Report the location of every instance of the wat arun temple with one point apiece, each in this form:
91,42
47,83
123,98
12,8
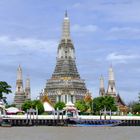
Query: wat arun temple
65,83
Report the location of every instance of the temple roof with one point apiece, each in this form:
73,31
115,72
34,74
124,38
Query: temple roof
119,100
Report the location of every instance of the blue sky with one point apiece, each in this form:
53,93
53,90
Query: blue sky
104,32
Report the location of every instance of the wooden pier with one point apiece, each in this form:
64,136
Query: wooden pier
48,120
41,122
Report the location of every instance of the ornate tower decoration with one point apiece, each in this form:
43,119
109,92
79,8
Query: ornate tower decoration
111,91
27,89
102,89
65,84
19,95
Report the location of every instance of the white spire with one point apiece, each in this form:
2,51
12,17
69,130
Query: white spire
19,82
101,82
111,83
27,83
102,90
27,89
19,73
19,94
111,74
66,27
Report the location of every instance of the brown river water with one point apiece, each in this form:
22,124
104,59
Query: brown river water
70,133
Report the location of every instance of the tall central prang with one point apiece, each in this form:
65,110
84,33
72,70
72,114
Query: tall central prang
65,84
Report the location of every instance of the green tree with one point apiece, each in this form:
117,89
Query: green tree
109,103
59,105
81,105
97,104
100,103
35,104
4,88
27,105
38,104
136,107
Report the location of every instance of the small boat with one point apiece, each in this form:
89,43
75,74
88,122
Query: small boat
92,125
83,122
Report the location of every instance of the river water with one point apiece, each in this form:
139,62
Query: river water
70,133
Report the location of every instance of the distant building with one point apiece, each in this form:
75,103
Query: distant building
27,89
111,91
102,89
21,95
65,84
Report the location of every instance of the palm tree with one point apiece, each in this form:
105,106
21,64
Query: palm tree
4,88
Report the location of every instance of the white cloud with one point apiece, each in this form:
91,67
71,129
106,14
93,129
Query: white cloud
121,58
11,45
125,12
87,28
116,11
128,33
125,29
77,5
118,2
